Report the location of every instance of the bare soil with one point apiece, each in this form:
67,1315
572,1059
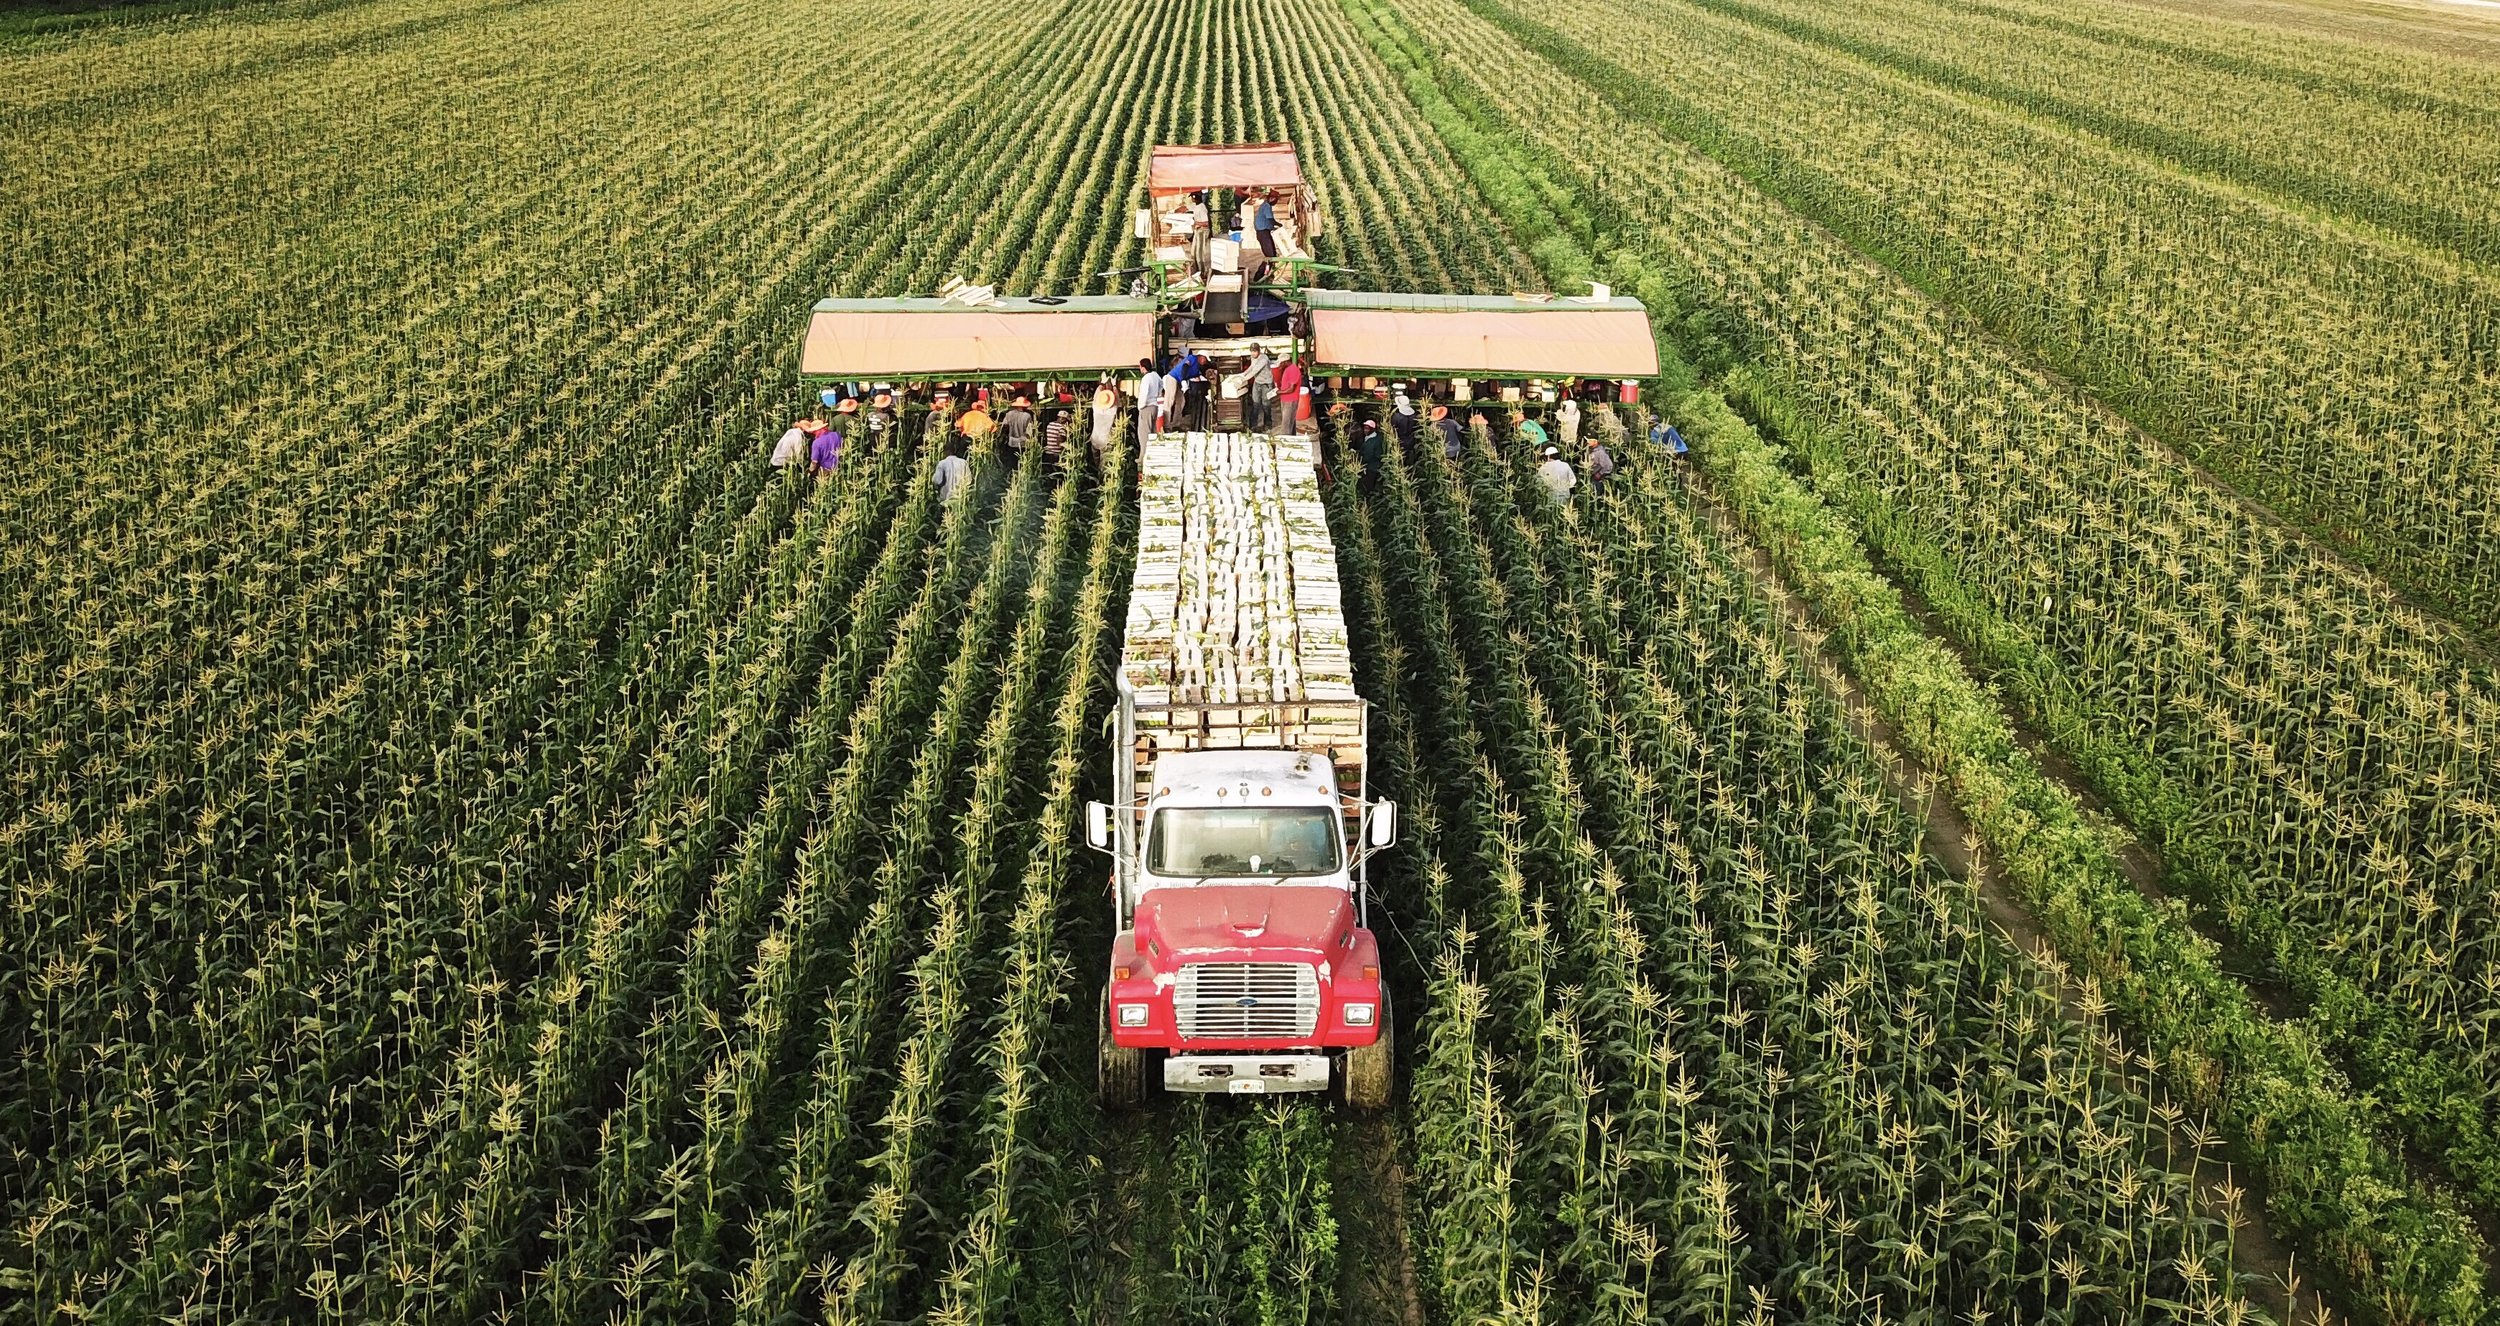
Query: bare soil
1375,1260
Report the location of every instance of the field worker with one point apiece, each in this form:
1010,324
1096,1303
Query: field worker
1106,409
1371,446
880,418
1404,421
1191,372
1263,223
1055,435
1601,462
1149,394
953,472
976,423
1258,413
1293,387
827,451
1529,430
1663,436
1015,428
1201,225
1453,433
792,448
1557,475
1567,415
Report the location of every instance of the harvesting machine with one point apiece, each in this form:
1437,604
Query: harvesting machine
1241,826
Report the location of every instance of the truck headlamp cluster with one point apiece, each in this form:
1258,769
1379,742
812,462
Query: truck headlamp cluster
1134,1015
1358,1015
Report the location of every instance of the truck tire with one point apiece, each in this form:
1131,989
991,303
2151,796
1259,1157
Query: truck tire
1120,1070
1368,1074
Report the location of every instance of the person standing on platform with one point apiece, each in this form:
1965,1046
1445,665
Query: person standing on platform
1258,408
1015,428
1149,394
1106,410
1293,390
1201,228
1190,372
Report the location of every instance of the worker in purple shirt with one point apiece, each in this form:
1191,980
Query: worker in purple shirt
827,452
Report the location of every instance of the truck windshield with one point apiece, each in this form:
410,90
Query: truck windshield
1283,840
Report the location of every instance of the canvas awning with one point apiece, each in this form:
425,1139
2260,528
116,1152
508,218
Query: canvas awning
1227,166
1481,335
876,338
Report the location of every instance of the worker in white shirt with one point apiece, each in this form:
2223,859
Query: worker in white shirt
953,472
1557,475
792,448
1149,397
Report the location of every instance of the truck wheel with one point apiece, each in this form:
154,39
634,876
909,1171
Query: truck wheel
1120,1070
1368,1073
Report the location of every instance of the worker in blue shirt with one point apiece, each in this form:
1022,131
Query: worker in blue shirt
1263,221
1190,372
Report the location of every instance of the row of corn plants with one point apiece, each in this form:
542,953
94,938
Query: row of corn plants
548,1114
596,649
1612,1116
2418,166
2290,1117
806,950
2285,48
1092,1230
2319,787
2342,377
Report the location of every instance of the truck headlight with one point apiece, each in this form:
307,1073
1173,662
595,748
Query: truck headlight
1358,1015
1132,1015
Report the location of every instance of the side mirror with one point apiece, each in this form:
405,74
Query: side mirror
1098,825
1384,823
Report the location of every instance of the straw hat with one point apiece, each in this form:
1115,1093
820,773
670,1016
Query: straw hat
1023,401
883,399
848,406
1440,412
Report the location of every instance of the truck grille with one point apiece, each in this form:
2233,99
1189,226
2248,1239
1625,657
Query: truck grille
1239,1000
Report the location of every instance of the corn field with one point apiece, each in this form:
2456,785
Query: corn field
481,844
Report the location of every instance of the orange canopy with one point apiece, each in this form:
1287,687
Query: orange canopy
871,338
1558,339
1228,166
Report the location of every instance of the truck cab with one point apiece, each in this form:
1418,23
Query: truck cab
1242,963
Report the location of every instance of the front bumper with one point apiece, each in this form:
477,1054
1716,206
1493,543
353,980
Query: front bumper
1245,1074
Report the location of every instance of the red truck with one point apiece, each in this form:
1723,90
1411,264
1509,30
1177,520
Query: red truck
1242,961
